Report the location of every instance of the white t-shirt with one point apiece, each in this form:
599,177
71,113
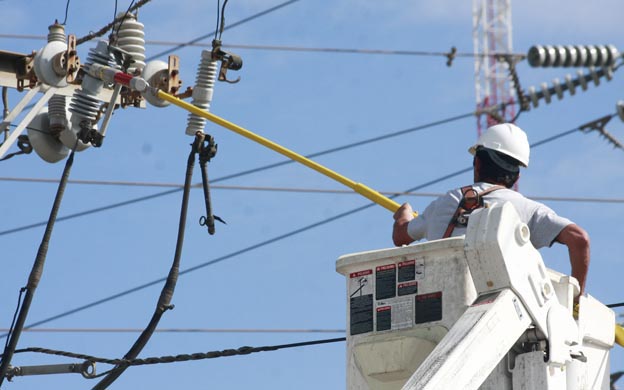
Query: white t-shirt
544,224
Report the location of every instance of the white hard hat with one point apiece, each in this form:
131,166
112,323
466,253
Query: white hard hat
505,138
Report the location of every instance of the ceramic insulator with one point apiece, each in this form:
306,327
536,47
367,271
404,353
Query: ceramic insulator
202,92
131,38
57,113
84,103
56,33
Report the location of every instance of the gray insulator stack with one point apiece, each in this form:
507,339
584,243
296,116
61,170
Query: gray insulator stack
56,33
57,107
57,113
202,92
131,38
84,104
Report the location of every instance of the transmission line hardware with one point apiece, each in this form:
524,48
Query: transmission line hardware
572,55
96,88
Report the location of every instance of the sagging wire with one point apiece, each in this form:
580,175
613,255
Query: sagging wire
36,271
166,294
246,350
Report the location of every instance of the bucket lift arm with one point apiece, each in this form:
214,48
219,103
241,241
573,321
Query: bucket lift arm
515,293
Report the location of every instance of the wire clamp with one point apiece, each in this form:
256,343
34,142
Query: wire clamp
228,61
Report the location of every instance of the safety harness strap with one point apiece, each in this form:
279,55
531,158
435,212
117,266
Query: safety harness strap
471,200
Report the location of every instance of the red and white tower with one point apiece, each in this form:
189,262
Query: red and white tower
491,33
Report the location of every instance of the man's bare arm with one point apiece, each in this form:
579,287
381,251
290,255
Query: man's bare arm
577,241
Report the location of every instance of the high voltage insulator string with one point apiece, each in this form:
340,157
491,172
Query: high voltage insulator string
183,357
569,84
249,171
229,26
274,239
572,56
294,189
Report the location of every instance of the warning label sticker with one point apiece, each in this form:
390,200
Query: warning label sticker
384,318
396,313
428,307
408,288
361,301
361,314
407,270
360,283
385,281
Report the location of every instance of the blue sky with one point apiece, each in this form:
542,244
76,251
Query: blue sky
308,102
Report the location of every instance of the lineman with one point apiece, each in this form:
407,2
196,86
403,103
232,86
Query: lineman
498,155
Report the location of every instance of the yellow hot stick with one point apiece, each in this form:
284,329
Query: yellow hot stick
619,335
360,188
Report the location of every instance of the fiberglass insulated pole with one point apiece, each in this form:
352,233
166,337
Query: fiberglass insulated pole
360,188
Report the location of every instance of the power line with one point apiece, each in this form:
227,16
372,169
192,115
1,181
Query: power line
176,330
229,26
262,244
183,357
296,189
304,49
247,172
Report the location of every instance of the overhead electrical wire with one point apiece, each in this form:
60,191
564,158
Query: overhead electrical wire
182,357
36,271
212,34
66,12
164,300
271,240
302,49
177,330
249,171
295,189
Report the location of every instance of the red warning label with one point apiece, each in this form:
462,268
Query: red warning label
385,267
360,273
